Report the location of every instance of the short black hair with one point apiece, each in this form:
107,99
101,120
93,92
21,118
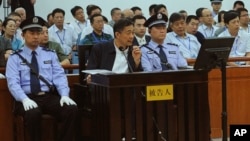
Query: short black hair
135,8
5,22
176,17
113,10
121,24
74,9
93,16
58,10
158,7
190,17
239,10
91,8
239,2
105,19
229,15
138,17
182,11
199,12
50,14
152,7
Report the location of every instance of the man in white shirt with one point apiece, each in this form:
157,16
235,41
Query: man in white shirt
207,28
244,19
62,33
79,23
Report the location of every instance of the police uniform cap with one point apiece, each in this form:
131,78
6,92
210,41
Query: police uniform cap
35,22
216,1
156,19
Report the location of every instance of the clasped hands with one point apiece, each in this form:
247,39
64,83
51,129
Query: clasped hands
29,104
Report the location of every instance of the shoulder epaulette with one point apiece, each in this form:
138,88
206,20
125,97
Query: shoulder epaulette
16,51
144,45
173,44
48,49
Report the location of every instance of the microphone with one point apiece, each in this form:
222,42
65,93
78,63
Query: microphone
122,49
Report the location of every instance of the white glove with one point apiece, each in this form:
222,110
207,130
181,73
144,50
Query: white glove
29,104
67,100
2,76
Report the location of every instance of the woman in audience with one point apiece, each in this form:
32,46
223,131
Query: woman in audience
220,23
9,30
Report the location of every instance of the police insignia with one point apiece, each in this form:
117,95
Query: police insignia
172,52
159,16
35,20
47,62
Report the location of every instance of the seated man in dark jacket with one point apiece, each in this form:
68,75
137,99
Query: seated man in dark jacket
113,55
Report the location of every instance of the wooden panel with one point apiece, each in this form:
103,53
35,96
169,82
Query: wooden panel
186,118
6,118
238,80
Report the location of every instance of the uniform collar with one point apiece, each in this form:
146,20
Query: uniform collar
28,51
154,45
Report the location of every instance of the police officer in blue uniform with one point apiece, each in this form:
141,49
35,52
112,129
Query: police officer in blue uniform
33,95
158,55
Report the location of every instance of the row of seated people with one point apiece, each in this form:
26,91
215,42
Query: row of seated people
68,36
187,43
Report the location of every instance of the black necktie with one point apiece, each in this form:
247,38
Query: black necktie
163,58
34,80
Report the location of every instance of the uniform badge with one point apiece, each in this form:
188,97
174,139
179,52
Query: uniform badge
159,16
22,63
150,52
47,62
172,52
35,20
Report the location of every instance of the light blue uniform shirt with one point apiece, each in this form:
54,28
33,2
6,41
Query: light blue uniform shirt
66,37
18,73
189,46
151,62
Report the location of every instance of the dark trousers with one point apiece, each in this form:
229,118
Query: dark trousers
29,8
49,104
